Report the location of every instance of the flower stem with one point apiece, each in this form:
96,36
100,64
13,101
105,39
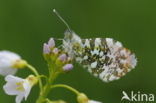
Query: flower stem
36,73
47,88
67,87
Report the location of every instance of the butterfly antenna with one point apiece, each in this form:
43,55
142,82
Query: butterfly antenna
59,16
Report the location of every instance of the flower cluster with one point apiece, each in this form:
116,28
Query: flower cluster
56,56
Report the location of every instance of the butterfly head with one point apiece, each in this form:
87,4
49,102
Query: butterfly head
71,42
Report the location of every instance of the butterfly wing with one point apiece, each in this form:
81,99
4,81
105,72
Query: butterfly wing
105,58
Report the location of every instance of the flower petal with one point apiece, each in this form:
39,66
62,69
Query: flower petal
10,89
19,98
27,88
11,78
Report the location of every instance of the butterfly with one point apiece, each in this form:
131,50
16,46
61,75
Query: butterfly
104,58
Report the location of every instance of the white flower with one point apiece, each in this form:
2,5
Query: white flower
9,62
19,87
92,101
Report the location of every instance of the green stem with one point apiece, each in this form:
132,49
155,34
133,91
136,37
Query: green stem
47,88
67,87
36,73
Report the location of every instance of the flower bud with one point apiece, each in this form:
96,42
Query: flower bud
51,43
68,67
82,98
32,80
63,57
46,49
55,50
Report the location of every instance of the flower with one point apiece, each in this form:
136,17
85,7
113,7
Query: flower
10,62
18,86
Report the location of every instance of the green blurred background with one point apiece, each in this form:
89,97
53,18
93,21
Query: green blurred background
26,24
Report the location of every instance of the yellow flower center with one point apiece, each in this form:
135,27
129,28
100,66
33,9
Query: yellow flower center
20,86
